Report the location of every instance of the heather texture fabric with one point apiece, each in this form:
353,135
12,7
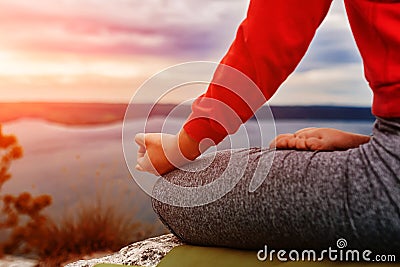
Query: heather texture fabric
307,200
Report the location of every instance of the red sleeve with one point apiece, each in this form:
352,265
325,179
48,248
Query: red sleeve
268,46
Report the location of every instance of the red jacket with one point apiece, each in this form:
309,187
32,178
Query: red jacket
270,43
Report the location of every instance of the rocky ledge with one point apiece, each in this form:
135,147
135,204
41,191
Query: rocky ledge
13,261
148,252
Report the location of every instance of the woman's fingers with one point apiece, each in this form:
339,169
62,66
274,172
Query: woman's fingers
153,148
144,164
140,141
139,168
291,141
301,144
143,161
314,143
281,141
295,141
314,139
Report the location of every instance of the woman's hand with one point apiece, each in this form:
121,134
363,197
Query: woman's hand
161,153
327,139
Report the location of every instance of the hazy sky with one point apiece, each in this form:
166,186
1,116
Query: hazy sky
95,50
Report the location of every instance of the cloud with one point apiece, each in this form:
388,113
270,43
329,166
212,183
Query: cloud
331,73
127,27
337,85
333,43
60,49
188,29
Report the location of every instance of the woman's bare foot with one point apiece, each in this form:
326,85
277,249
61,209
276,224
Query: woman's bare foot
327,139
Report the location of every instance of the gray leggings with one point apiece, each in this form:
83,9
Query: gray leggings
307,201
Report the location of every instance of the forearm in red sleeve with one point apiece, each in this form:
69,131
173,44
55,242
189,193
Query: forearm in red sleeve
268,46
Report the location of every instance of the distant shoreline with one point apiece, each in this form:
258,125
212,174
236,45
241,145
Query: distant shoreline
106,113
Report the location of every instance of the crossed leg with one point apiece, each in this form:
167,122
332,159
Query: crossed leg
307,200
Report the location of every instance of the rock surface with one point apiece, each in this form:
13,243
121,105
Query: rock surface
12,261
148,252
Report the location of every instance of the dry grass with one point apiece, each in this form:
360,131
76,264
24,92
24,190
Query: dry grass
91,227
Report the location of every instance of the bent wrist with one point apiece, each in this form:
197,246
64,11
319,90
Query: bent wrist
361,139
188,146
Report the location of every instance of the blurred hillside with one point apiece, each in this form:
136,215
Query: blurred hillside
104,113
